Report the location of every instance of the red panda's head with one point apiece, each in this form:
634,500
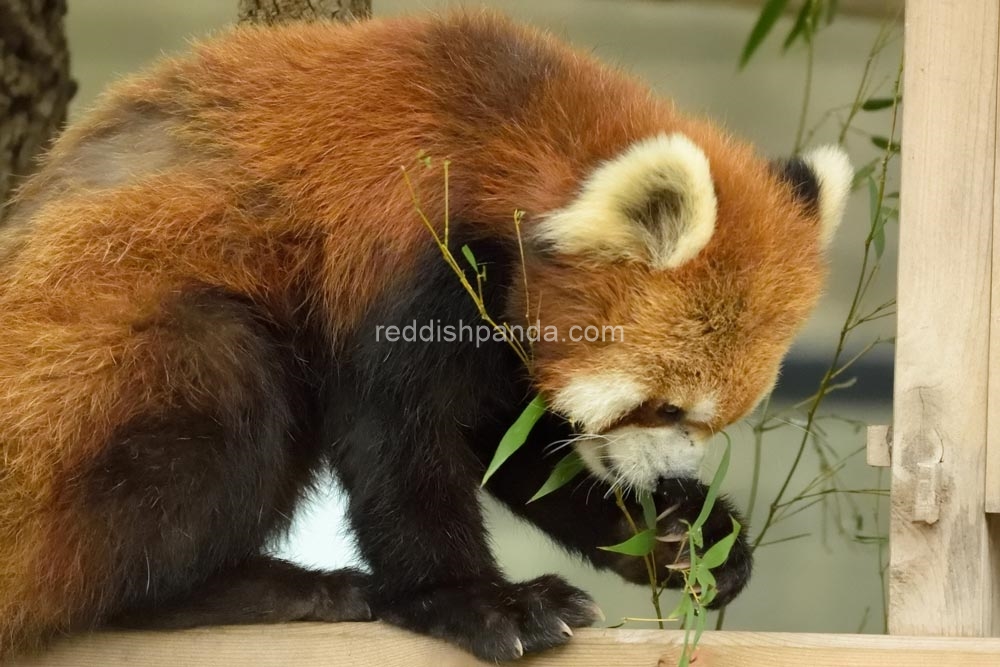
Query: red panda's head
689,267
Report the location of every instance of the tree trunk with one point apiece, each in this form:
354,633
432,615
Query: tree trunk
278,11
35,85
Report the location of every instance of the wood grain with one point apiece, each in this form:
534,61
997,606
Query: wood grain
942,567
364,644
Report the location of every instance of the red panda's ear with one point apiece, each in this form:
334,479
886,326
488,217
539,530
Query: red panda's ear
834,174
654,203
821,179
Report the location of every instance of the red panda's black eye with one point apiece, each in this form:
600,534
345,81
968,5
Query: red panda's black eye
670,414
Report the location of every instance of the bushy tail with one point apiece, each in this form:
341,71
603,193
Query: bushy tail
18,635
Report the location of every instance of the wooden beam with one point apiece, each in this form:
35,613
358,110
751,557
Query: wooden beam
993,411
942,574
878,448
361,644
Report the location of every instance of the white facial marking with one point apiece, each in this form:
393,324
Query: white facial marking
640,456
834,174
703,411
602,220
594,402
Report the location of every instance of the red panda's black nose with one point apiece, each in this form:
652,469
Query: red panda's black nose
670,414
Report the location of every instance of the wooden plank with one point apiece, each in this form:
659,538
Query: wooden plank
362,644
878,449
993,410
942,561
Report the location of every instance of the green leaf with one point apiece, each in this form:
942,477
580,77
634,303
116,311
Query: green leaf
872,200
798,26
648,509
862,174
682,609
709,588
765,22
831,11
713,488
878,239
877,219
699,629
878,103
719,552
640,544
565,470
516,435
470,258
706,580
885,144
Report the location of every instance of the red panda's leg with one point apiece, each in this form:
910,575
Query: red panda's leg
217,447
416,515
261,589
189,501
399,420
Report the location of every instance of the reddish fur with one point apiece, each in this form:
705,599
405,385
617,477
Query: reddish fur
281,177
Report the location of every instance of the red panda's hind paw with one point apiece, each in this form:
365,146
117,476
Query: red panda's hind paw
260,590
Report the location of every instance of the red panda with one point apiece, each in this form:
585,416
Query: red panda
192,289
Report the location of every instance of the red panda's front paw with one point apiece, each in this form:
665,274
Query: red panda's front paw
679,502
497,621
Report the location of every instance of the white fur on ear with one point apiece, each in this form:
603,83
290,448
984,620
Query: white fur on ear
834,174
654,203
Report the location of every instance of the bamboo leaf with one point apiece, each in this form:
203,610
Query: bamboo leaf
878,239
831,11
648,509
516,435
699,628
706,580
565,470
640,544
885,144
877,219
862,174
713,488
765,22
797,27
682,608
872,200
878,103
470,258
719,552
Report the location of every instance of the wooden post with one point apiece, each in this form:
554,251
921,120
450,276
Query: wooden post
942,567
993,409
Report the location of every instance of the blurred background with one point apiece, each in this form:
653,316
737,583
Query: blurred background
822,572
